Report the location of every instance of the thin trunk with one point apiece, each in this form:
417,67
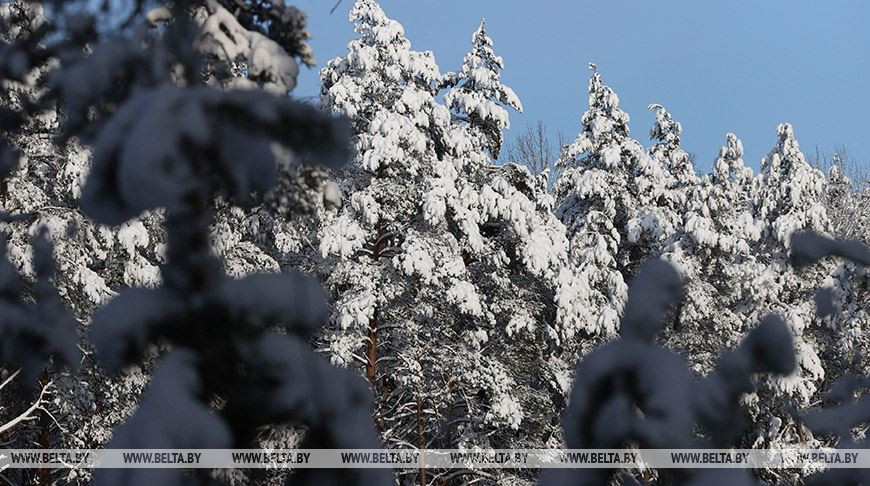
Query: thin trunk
372,354
371,369
421,438
43,439
448,440
372,351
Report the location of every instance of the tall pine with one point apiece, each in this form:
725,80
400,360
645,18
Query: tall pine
442,264
611,196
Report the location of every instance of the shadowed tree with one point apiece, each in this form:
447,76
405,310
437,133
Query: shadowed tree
632,392
235,355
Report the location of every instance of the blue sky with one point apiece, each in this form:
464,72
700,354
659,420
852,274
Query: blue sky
741,66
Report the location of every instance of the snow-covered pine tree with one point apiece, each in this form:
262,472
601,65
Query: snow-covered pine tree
792,193
442,264
849,319
789,198
477,94
839,417
38,335
633,392
96,260
611,196
712,249
244,50
37,330
838,192
252,45
249,43
47,183
680,177
847,201
515,252
849,284
381,321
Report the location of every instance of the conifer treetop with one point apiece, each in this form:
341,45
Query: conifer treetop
668,151
380,73
793,191
477,95
605,131
604,121
665,129
729,164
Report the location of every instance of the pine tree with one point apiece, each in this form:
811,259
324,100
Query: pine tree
631,391
39,337
712,249
387,90
849,284
845,404
477,94
93,261
515,253
680,177
252,45
610,196
443,264
847,202
46,182
792,192
96,261
790,198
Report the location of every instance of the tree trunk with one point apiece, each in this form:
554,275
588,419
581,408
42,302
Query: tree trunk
372,351
43,439
421,438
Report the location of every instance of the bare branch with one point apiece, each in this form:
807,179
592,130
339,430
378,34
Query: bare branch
10,378
27,414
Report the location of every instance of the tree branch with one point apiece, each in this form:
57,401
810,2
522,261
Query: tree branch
27,414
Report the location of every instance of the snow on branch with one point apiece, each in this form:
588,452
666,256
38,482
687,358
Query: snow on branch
633,392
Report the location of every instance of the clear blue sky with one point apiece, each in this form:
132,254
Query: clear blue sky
718,66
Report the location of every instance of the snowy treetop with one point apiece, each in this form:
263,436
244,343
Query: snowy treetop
477,93
729,164
793,190
604,117
666,131
379,71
